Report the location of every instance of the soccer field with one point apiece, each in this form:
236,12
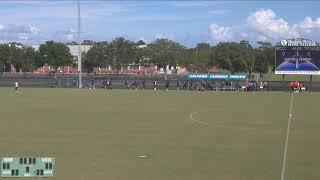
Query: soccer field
146,135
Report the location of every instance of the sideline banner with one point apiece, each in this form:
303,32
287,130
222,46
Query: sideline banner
218,76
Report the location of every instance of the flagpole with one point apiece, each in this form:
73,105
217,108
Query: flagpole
79,48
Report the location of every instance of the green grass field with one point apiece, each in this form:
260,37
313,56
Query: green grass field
100,134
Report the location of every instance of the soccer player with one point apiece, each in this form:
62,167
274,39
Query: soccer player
155,85
74,83
56,81
265,86
126,84
167,85
143,84
110,84
178,85
16,86
92,84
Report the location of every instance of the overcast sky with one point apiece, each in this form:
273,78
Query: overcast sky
187,22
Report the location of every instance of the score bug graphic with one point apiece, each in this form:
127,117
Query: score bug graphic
27,166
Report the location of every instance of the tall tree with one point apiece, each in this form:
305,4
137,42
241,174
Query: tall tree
165,52
143,56
4,57
55,54
222,56
27,59
95,57
267,51
122,52
200,58
261,65
235,57
248,55
15,54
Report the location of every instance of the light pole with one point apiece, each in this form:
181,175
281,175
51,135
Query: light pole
79,48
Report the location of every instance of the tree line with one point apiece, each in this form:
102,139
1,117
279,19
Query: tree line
230,57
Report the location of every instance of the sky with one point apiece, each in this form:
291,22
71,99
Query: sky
187,22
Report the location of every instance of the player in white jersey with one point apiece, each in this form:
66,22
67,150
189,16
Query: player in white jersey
155,85
16,86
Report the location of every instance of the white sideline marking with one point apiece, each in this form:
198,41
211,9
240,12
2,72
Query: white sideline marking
197,121
286,143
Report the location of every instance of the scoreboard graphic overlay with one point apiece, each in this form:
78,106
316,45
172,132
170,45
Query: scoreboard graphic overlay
297,56
27,167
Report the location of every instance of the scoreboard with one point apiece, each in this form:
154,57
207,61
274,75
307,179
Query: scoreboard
27,166
297,56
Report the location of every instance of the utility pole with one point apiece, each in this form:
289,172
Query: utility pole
79,48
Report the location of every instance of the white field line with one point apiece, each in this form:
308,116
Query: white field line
197,121
286,143
218,125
